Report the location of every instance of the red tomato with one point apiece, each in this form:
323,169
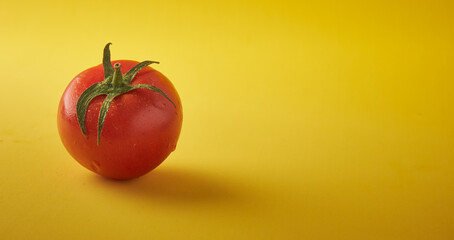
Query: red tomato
140,129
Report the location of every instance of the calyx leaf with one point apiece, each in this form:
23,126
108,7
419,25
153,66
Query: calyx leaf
114,85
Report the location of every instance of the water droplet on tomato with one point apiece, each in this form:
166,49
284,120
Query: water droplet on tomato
172,146
96,166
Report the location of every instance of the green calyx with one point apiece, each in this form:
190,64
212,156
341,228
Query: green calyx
114,85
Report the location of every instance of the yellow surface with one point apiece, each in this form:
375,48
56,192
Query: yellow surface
302,120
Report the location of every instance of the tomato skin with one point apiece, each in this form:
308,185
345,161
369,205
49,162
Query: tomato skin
140,130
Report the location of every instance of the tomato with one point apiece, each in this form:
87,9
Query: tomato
116,128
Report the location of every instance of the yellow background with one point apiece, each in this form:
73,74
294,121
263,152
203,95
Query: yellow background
302,120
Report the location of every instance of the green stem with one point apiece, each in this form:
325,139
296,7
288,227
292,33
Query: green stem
117,76
114,84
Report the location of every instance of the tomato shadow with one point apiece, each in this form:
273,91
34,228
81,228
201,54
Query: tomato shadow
175,185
